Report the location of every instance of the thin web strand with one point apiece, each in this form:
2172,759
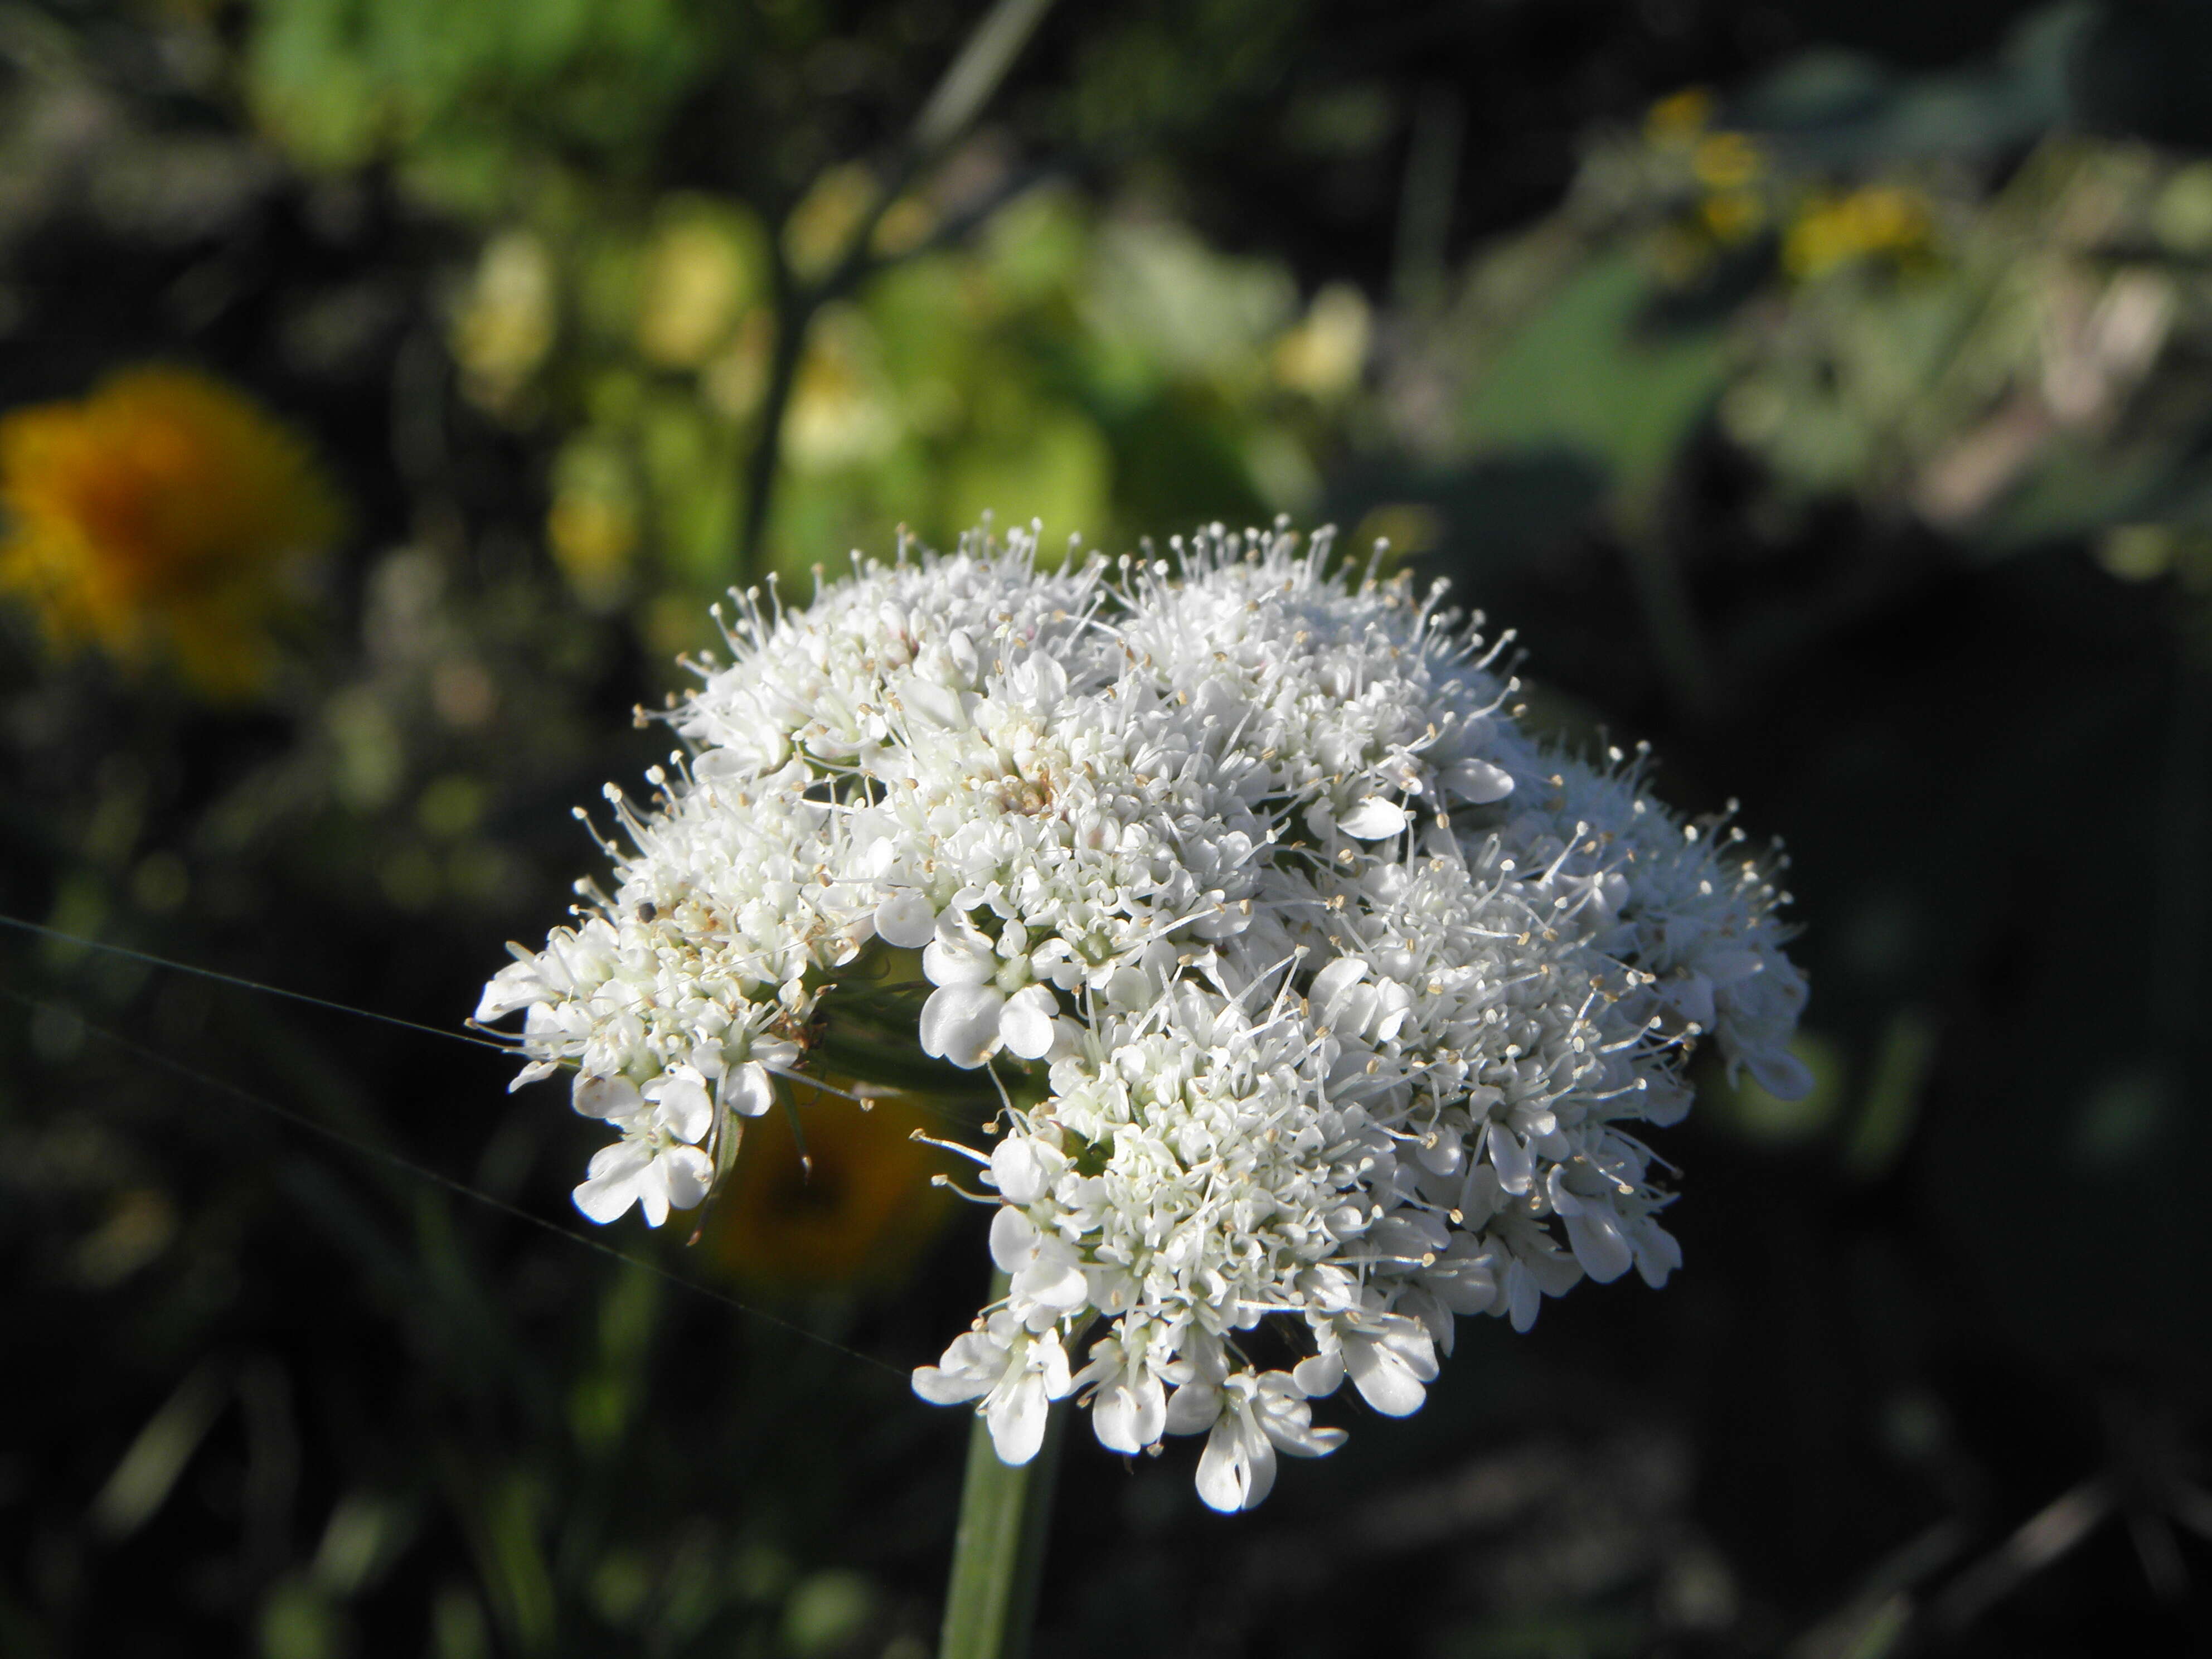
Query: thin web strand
918,1102
424,1172
152,960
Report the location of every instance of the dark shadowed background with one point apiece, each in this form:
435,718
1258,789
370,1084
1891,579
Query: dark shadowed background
386,387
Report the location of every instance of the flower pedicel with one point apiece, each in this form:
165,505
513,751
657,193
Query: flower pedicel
1328,998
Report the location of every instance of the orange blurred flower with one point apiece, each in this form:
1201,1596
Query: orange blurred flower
159,517
863,1216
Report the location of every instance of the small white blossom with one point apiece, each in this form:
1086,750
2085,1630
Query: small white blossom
1342,1001
655,1165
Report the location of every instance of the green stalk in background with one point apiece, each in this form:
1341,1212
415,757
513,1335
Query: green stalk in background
998,1549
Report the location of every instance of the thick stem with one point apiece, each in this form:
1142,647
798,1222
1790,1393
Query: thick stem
998,1550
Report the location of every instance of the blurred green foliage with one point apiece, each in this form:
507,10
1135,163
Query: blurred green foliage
1099,372
992,341
1931,297
463,94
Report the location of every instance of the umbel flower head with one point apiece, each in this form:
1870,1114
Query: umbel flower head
156,518
1328,1007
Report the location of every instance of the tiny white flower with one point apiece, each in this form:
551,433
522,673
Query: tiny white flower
748,1089
1129,1407
653,1166
960,1023
1047,1273
1016,1373
1391,1362
906,919
1374,819
1027,1024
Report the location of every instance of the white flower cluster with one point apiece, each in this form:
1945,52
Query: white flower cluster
1329,1000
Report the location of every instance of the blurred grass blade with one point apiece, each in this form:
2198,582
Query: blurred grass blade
975,74
1886,1121
148,1473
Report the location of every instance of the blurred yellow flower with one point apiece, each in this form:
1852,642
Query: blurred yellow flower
1324,354
594,522
1732,215
505,323
159,517
1727,161
863,1213
841,412
1678,119
1835,230
704,266
820,228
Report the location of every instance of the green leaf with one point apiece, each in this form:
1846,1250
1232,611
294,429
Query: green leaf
1590,371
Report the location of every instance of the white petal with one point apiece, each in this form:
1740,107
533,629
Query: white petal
1320,1374
1058,1383
682,1105
604,1097
1298,1437
1441,1153
1026,1024
1593,1232
515,986
1043,680
1284,1417
1113,1421
775,1051
1259,1460
958,954
1333,980
722,765
1388,1371
1019,1171
971,1367
935,703
690,1174
942,1387
1017,1418
1193,1408
625,1157
1478,781
1563,1203
604,1198
1692,996
1014,1239
1516,1167
1523,1296
962,650
1780,1072
653,1193
749,1090
1223,1477
1129,1418
1237,1467
960,1023
1374,819
1658,1253
1466,1284
1725,964
1054,1277
906,919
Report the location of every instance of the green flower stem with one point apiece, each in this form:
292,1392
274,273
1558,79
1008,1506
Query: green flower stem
998,1551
